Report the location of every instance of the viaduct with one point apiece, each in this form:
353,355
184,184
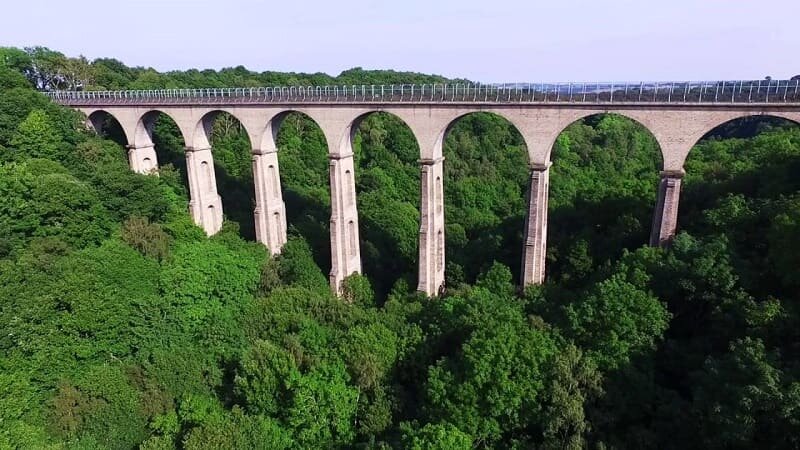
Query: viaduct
677,114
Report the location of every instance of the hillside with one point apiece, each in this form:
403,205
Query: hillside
123,326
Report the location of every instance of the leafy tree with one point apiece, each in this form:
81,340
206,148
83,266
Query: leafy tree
149,239
615,321
36,137
437,437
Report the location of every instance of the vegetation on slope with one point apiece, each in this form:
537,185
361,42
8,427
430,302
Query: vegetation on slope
123,326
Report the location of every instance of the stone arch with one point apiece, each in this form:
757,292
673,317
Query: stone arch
148,148
579,115
475,244
694,185
143,133
717,174
438,144
201,134
105,123
269,135
374,134
718,120
620,203
301,211
349,135
222,129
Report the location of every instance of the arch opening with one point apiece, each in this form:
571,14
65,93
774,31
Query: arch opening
386,156
108,127
158,129
304,174
741,176
230,144
485,184
605,168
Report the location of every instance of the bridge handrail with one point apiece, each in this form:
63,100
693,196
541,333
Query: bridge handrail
747,91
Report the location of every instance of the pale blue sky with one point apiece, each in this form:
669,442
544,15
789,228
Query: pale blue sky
489,41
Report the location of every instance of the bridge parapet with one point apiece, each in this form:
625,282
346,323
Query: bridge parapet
641,93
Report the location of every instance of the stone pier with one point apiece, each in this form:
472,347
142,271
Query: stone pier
431,227
535,239
345,246
205,204
143,159
665,217
270,210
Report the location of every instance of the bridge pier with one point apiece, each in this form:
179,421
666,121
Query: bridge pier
345,245
535,241
270,210
665,216
431,227
205,204
143,159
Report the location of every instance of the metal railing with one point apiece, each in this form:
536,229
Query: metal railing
714,92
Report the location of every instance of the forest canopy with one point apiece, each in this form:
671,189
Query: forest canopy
122,325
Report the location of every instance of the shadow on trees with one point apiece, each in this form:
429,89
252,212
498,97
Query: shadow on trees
380,260
578,247
310,218
744,206
485,245
238,201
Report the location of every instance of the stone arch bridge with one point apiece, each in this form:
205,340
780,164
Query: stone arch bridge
677,114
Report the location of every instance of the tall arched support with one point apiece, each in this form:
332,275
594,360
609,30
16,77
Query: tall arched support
665,217
431,227
535,240
345,247
143,159
205,204
270,211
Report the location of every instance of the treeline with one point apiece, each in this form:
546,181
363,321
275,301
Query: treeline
51,70
123,326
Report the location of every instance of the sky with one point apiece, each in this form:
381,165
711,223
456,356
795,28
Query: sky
486,41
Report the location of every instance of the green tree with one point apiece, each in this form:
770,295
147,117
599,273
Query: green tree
36,137
615,321
437,437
